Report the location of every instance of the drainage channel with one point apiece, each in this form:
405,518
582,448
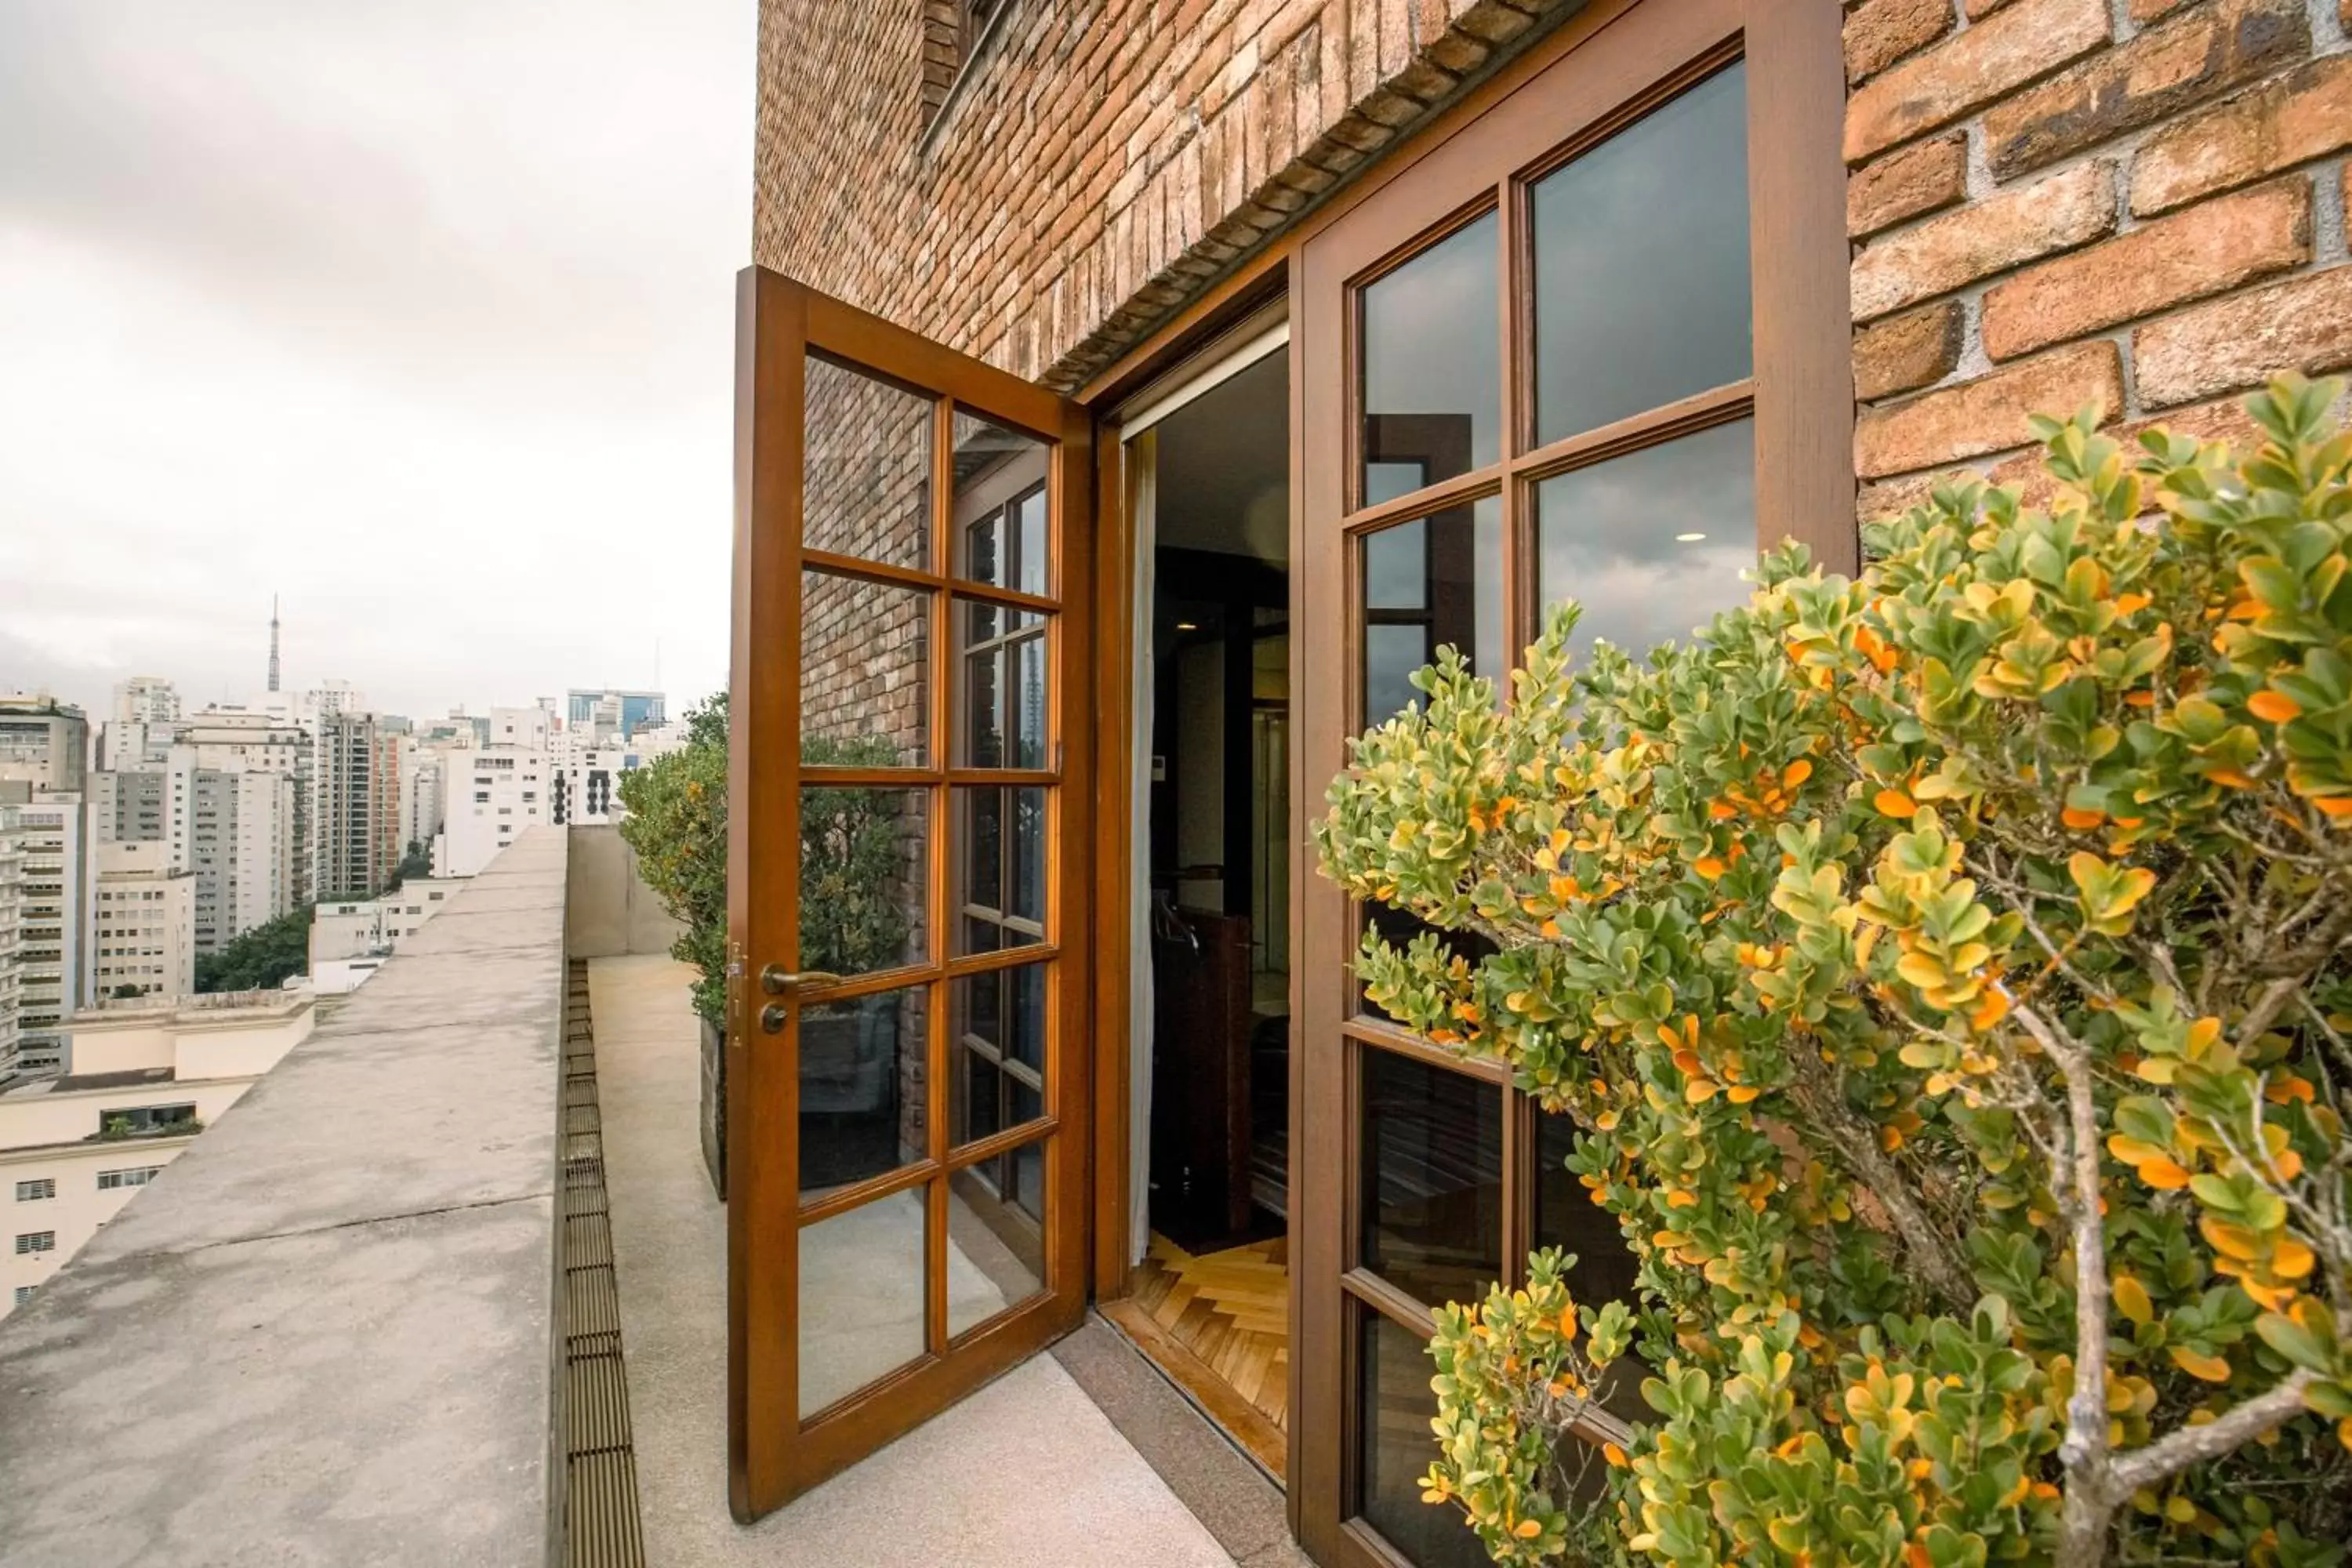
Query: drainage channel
602,1525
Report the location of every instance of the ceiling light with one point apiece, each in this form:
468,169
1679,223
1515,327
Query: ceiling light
1188,625
1689,538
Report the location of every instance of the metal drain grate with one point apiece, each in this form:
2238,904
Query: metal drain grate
602,1525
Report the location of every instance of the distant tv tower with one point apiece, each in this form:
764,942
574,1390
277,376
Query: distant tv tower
273,642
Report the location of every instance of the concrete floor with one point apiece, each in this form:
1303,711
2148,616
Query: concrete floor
1026,1473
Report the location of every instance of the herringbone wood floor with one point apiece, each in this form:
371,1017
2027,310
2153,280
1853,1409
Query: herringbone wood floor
1232,1309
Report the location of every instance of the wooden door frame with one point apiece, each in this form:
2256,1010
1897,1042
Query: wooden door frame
779,324
1803,412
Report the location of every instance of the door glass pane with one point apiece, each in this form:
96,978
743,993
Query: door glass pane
1433,382
1428,583
1652,543
862,1074
1641,263
861,1307
1000,505
1392,1391
1001,867
996,1248
1431,1174
865,688
866,474
863,857
1002,651
997,1024
1567,1218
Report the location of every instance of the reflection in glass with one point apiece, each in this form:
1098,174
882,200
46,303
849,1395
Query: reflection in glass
866,476
1003,695
863,855
861,1077
1000,505
996,1248
1652,543
1567,1218
997,1024
865,672
1433,581
1001,866
861,1298
1393,1370
1431,1174
1432,391
1641,263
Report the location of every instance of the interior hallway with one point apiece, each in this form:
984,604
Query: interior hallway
1027,1473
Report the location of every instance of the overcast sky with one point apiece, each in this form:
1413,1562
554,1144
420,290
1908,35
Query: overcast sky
415,314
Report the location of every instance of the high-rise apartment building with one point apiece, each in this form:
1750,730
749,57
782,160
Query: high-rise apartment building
355,807
145,723
12,863
143,923
262,739
50,873
489,795
421,768
622,713
42,743
235,829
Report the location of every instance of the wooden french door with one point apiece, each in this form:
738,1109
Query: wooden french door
907,930
1589,341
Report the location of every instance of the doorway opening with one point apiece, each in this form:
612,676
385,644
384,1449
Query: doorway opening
1210,1062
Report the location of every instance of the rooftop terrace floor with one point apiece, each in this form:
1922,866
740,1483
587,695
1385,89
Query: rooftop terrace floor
1030,1472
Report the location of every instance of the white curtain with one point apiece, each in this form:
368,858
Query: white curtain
1142,459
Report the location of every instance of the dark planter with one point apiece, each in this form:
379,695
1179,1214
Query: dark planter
714,1105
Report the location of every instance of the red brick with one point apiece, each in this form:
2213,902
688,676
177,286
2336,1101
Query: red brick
2025,471
1880,32
1957,247
1922,178
2222,244
2288,120
2158,74
1970,70
2243,340
1987,415
1908,350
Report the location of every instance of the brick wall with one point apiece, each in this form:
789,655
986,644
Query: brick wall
2138,204
1102,160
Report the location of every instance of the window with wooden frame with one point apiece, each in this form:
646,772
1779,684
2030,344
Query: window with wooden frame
1588,341
954,31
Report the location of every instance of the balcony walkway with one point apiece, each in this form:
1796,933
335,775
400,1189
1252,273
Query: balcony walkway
1027,1473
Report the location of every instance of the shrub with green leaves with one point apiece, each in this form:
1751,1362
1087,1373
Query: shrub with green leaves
1946,974
676,823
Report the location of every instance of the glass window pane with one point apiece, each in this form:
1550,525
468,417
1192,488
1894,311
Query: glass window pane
996,1252
1431,1174
997,1034
1004,696
863,853
1393,1370
1433,381
1641,263
1652,543
1567,1218
1000,505
1001,867
1431,583
861,1307
866,473
861,1074
866,686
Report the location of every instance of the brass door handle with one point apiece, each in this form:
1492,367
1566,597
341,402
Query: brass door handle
776,980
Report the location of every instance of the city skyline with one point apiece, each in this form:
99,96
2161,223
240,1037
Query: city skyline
340,306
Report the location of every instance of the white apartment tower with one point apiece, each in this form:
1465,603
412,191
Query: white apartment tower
49,887
42,743
142,939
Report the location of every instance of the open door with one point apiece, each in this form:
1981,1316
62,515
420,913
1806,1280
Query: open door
907,924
